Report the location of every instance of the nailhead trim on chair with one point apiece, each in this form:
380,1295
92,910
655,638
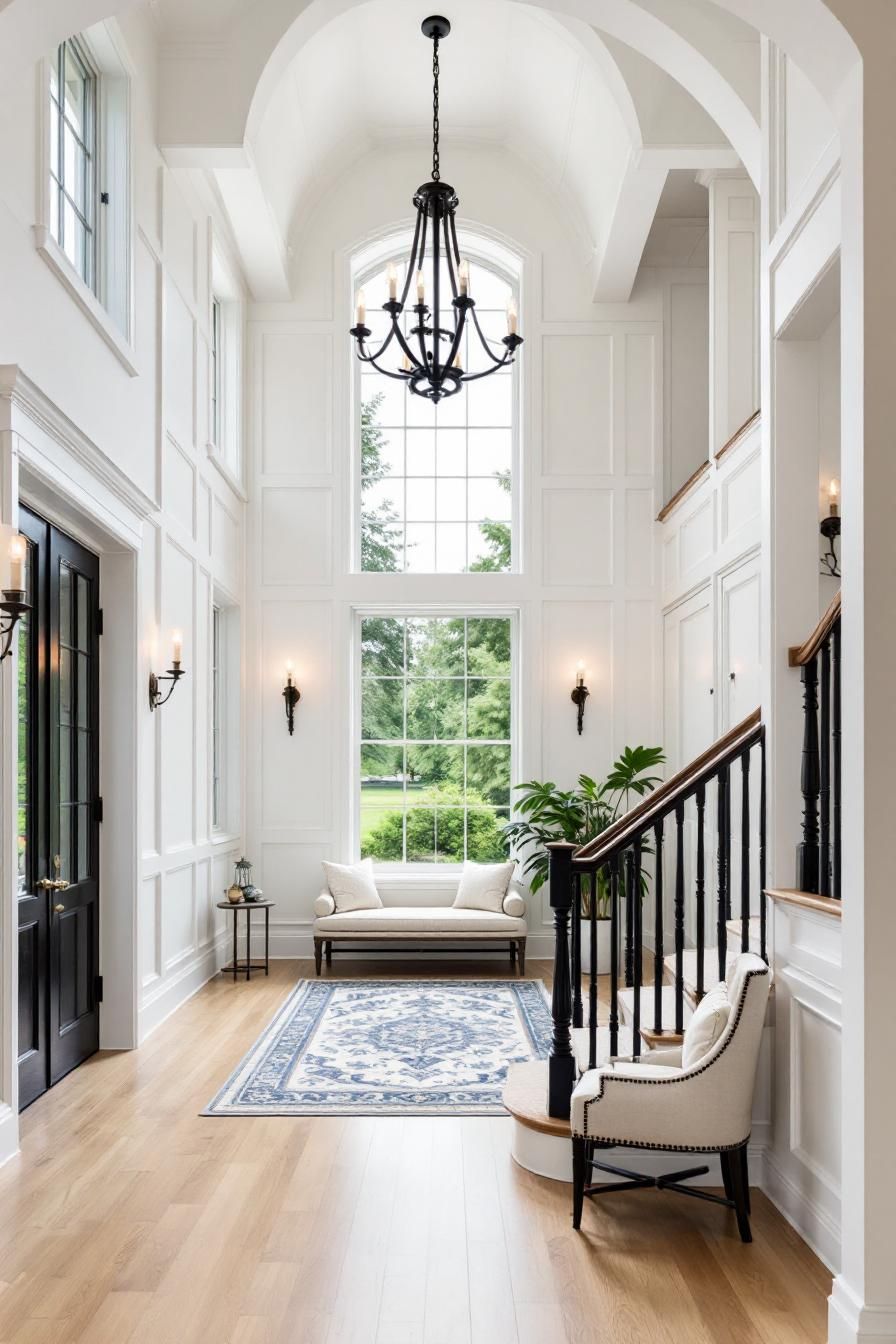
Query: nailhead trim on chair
659,1082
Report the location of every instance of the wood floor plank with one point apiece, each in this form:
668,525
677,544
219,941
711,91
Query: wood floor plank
130,1218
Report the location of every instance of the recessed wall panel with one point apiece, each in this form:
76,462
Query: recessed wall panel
178,915
292,876
178,486
572,631
297,771
177,715
640,403
578,537
297,535
178,349
296,402
578,405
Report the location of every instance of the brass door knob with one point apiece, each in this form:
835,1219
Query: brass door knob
52,884
58,909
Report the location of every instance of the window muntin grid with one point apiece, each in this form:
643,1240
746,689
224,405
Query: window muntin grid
447,468
436,738
73,157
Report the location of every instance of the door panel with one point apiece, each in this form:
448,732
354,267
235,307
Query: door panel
59,823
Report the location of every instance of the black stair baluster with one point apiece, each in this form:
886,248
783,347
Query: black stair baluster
762,871
679,918
629,924
824,775
807,852
700,891
576,950
614,956
594,878
634,896
723,869
836,717
561,1063
745,852
658,936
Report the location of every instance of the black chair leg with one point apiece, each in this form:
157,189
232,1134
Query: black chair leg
512,954
744,1162
725,1163
318,948
741,1198
521,955
579,1178
329,952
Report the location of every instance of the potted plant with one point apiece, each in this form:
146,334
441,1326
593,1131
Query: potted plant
578,815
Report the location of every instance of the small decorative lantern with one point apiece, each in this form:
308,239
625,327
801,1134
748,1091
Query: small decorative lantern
242,873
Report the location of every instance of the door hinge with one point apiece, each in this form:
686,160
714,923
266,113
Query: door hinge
98,988
99,621
99,809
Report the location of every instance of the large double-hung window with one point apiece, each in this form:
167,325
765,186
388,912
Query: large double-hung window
436,737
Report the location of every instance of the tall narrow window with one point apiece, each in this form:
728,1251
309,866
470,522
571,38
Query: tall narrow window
435,750
436,481
73,154
216,372
217,719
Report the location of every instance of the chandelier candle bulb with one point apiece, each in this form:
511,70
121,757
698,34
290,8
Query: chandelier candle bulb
463,277
421,288
17,564
512,317
392,280
360,308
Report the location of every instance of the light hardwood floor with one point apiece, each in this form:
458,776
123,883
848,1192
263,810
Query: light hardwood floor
130,1219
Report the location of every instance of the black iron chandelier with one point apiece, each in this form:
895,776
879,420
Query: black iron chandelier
428,354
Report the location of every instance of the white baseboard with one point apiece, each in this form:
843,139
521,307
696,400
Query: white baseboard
850,1321
815,1225
175,989
9,1133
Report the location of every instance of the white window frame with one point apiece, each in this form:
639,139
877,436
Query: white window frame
226,317
457,611
107,296
496,258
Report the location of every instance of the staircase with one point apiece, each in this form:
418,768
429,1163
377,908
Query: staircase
693,852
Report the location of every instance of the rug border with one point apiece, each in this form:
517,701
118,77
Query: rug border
329,1112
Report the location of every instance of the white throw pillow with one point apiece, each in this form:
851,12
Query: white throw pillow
352,886
706,1026
483,886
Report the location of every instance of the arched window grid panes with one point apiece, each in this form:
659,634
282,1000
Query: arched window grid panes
437,485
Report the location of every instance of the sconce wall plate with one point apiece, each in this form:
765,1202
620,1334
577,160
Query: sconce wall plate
174,674
291,697
578,697
12,609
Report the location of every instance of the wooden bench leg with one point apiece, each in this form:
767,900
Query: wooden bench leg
318,947
328,948
521,954
513,954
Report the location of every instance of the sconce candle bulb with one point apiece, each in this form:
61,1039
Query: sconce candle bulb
579,695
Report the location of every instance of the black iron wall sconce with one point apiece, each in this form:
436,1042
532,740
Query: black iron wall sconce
13,606
829,528
174,674
291,697
579,695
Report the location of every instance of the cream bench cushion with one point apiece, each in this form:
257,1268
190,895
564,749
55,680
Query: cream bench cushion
423,919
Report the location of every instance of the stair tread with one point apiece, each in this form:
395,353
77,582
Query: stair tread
627,1005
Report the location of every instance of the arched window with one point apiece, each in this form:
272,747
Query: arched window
436,483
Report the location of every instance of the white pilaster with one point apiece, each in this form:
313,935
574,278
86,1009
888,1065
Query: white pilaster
733,302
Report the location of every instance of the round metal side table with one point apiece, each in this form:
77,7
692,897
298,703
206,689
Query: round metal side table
247,964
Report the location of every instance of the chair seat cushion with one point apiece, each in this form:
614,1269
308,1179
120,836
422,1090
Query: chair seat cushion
425,920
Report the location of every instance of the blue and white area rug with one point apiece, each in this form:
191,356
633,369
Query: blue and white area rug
390,1047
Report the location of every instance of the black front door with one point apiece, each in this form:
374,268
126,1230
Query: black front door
58,809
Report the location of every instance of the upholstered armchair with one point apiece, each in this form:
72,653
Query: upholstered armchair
696,1098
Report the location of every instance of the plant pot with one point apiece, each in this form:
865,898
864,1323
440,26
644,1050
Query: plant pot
604,945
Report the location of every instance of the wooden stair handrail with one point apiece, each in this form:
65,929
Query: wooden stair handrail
678,786
801,654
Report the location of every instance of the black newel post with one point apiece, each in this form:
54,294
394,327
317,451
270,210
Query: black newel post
561,1065
810,783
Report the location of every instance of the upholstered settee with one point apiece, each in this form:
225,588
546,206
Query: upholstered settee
412,918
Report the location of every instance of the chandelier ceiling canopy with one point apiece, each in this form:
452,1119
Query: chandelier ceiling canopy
425,350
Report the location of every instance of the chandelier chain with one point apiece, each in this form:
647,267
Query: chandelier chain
435,109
